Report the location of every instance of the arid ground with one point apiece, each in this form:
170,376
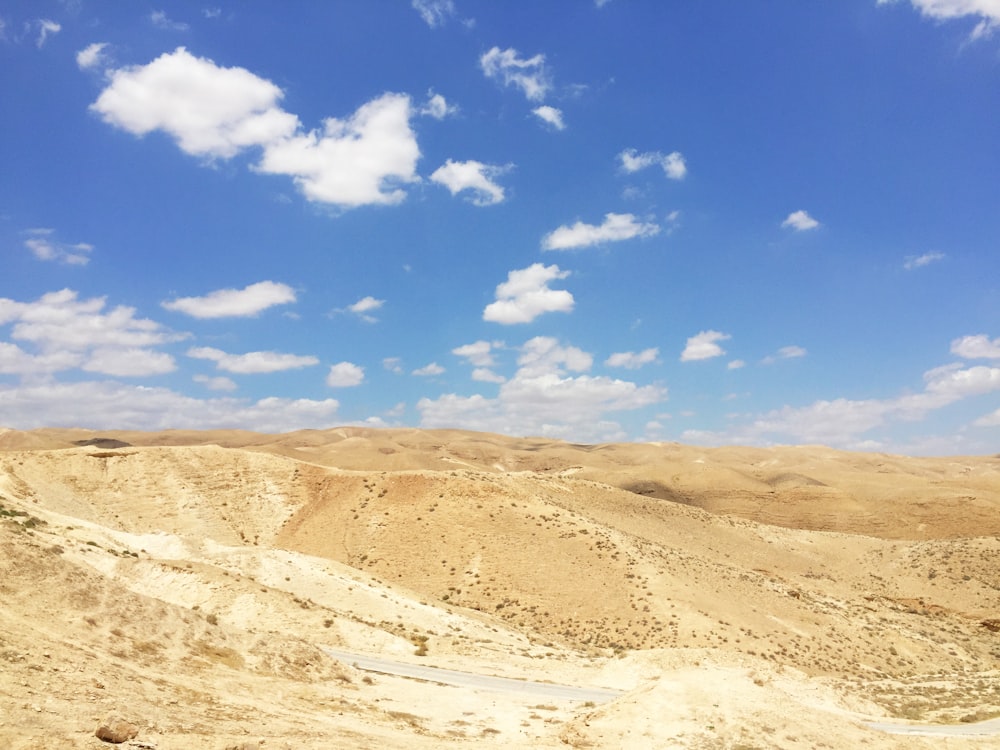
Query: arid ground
732,597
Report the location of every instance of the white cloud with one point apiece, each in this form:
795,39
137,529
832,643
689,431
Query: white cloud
213,12
943,10
429,370
785,352
364,306
44,247
217,112
919,261
130,362
486,375
229,303
479,353
111,405
976,347
67,333
217,383
704,345
526,295
91,56
434,12
252,363
437,107
60,321
209,110
345,375
393,365
843,422
161,21
800,221
632,360
616,228
988,420
550,115
529,75
736,364
45,29
673,164
355,162
471,175
542,399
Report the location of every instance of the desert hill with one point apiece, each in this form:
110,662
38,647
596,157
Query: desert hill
736,597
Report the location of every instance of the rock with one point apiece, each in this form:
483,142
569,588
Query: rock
116,728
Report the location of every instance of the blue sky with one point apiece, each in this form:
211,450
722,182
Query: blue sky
715,223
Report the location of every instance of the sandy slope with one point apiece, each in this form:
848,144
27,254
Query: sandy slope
740,598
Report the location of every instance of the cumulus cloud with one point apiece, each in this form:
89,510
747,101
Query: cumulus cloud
112,405
800,221
359,161
673,164
479,353
527,74
393,365
976,347
91,56
486,375
736,364
234,303
543,398
704,345
429,370
633,360
919,261
345,375
526,295
252,363
43,245
550,116
209,110
216,113
616,228
64,332
434,12
473,176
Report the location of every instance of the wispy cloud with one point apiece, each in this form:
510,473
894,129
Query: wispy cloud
919,261
673,164
46,28
527,74
633,360
550,115
785,352
91,56
429,370
434,12
43,245
162,21
234,303
615,228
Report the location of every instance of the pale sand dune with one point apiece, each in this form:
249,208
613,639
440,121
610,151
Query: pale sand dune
740,597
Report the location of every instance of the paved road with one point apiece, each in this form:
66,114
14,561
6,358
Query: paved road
980,729
471,680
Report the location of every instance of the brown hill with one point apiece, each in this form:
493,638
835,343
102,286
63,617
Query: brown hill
194,575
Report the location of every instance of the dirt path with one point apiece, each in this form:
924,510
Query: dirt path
472,680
